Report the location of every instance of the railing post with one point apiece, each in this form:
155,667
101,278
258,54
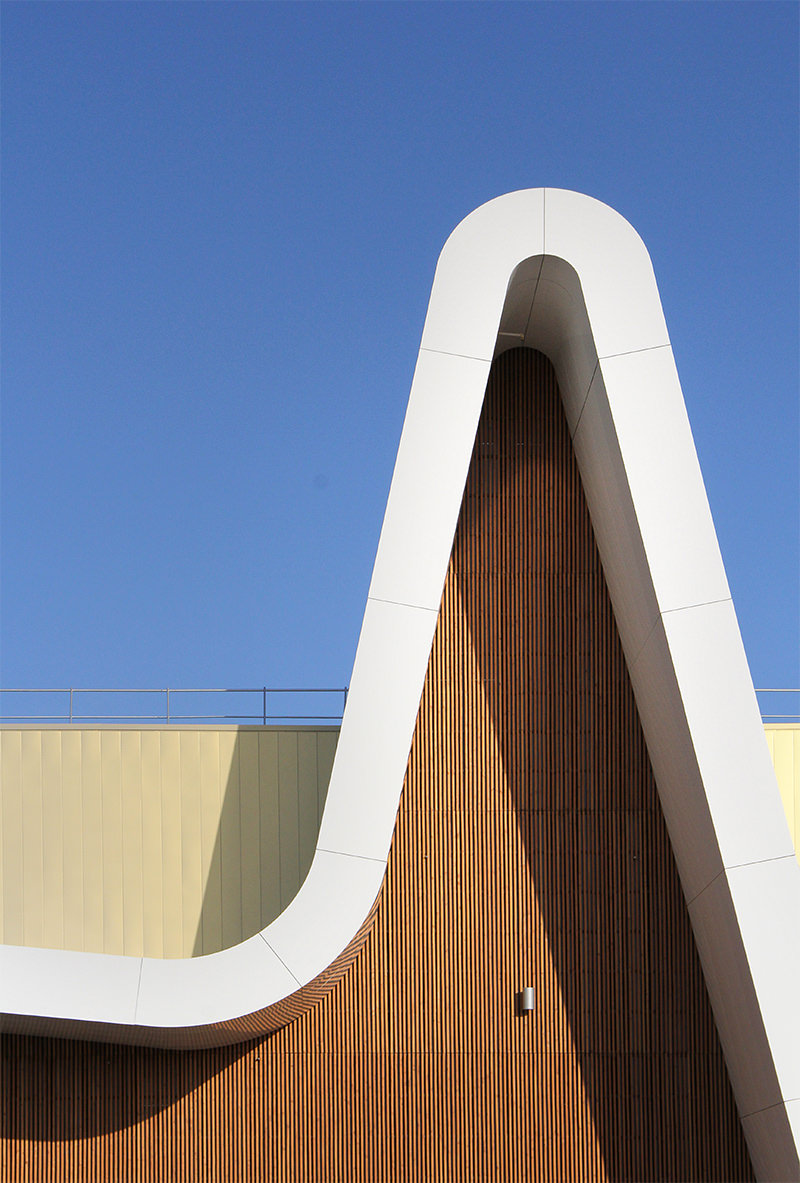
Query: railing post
264,704
168,704
70,704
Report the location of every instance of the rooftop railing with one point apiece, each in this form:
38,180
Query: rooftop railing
782,709
254,704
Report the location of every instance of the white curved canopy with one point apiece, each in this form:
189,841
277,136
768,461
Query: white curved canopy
565,274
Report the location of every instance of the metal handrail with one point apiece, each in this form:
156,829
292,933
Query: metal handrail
168,714
264,715
774,716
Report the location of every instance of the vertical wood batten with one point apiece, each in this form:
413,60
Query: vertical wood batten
529,850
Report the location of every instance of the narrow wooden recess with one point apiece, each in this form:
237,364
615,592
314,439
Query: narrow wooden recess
530,850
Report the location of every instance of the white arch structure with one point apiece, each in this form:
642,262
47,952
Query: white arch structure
565,274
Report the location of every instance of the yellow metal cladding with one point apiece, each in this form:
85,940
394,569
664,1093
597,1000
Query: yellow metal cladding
783,740
167,842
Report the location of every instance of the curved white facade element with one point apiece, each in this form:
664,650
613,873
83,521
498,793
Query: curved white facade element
567,275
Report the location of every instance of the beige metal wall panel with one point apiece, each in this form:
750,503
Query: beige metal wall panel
171,869
326,750
111,785
269,823
307,810
212,780
288,821
92,812
11,807
250,861
32,855
152,847
191,891
167,842
72,838
132,839
52,848
230,840
783,740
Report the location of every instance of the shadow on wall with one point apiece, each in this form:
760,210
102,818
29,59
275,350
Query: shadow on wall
576,766
269,820
64,1090
156,841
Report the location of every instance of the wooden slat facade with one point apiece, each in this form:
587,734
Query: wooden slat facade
530,850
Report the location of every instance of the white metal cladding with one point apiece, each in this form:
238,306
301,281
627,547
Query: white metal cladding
563,273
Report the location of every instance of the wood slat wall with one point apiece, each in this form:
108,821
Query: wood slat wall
530,849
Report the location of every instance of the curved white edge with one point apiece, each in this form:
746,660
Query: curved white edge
61,984
565,274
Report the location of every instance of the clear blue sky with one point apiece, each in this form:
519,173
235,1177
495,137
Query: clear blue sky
220,224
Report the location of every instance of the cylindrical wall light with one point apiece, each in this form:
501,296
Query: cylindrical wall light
527,1000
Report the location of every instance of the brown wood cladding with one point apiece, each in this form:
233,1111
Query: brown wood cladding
530,849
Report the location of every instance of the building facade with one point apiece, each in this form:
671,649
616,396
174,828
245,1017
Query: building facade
551,773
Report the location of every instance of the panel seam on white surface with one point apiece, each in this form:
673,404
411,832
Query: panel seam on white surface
778,858
283,963
138,989
401,604
699,604
449,353
585,398
630,352
366,858
535,289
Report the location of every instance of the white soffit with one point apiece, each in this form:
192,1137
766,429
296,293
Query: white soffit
563,273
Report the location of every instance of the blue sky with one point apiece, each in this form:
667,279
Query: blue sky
220,224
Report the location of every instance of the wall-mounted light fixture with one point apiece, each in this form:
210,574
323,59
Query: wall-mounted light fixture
527,1000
